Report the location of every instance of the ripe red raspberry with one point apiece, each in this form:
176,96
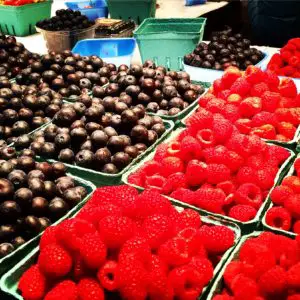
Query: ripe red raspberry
224,94
216,239
270,101
161,152
297,166
232,270
243,125
234,99
279,217
80,269
171,165
174,146
175,252
210,199
174,182
244,288
32,284
160,287
90,289
216,105
222,130
215,155
107,275
92,250
66,290
206,138
254,74
265,132
152,167
241,87
231,112
155,182
133,291
190,148
182,194
293,182
227,187
271,79
204,99
273,282
190,218
278,153
249,194
250,106
293,277
286,129
217,173
230,76
296,227
292,205
48,237
217,86
263,118
245,175
54,261
137,178
243,213
200,120
195,173
287,88
265,178
116,230
192,237
294,297
224,297
204,266
259,89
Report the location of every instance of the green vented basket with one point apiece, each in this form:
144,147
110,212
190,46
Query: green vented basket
21,20
166,41
136,10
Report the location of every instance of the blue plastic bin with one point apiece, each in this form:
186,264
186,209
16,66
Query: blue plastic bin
116,51
194,2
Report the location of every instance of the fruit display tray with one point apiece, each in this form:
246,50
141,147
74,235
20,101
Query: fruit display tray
166,41
100,178
210,75
277,230
9,282
11,259
246,227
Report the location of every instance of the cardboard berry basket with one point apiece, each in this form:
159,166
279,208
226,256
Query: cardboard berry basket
11,259
246,227
100,178
9,282
267,227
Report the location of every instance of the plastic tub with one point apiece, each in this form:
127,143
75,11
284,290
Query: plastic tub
10,260
166,41
136,10
21,20
83,4
246,227
116,51
9,282
58,41
210,75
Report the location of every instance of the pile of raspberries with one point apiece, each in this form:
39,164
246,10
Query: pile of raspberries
287,61
212,166
136,246
256,102
268,267
285,214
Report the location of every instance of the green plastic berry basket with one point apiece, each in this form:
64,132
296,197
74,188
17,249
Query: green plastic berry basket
9,282
136,10
277,230
246,227
21,20
166,41
11,259
100,178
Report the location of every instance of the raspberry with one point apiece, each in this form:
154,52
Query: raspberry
222,130
270,101
288,102
133,291
222,297
249,194
243,213
137,178
90,289
243,125
192,238
32,284
217,173
287,88
293,276
231,113
155,182
204,266
161,152
265,132
152,167
48,237
175,252
218,86
294,297
216,105
286,129
80,270
233,269
259,89
210,199
273,282
233,161
227,187
265,179
93,250
206,138
181,194
174,146
171,165
174,182
160,288
54,261
279,153
293,182
200,120
195,173
250,106
224,94
254,74
244,288
230,76
66,290
116,230
190,148
241,87
151,202
296,227
234,99
245,175
205,98
297,166
278,217
292,205
263,118
190,218
216,239
255,161
271,79
215,154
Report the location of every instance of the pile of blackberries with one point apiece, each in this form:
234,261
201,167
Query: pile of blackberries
225,49
33,196
66,20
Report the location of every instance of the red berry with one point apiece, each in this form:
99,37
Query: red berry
244,288
250,107
279,217
174,182
249,194
217,173
171,165
66,290
48,237
270,101
190,148
200,120
190,218
292,205
243,213
204,266
293,277
90,289
195,173
241,87
206,138
293,182
259,89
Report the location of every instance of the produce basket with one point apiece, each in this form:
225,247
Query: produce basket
58,41
9,282
11,259
136,10
166,41
21,20
116,51
246,227
101,179
210,75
